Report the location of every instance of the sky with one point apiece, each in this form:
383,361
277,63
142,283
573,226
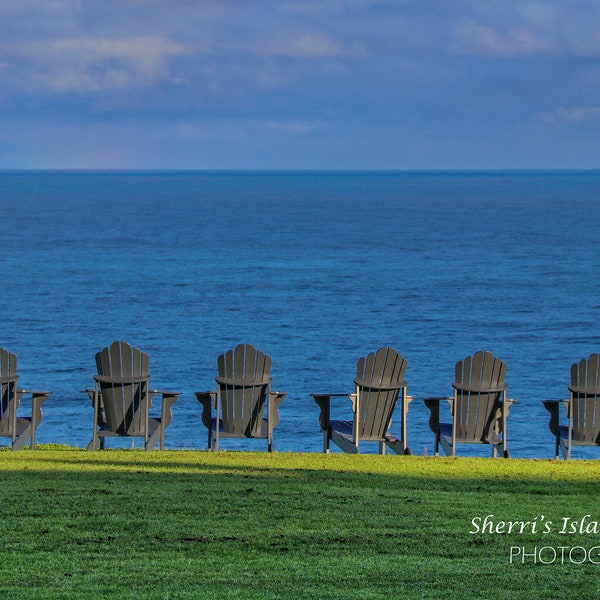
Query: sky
304,84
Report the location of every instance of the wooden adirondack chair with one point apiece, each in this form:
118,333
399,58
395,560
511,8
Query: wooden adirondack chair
236,408
582,408
122,398
378,384
479,406
19,429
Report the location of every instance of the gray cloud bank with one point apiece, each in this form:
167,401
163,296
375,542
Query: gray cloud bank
306,84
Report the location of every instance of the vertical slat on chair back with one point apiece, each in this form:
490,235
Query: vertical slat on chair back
243,381
379,377
8,389
479,384
125,403
585,399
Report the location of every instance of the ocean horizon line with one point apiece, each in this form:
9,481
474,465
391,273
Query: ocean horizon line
349,171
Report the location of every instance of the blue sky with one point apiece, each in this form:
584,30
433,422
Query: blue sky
306,84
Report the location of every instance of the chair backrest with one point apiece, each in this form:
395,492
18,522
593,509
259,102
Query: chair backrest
123,381
585,400
243,381
479,385
379,378
8,389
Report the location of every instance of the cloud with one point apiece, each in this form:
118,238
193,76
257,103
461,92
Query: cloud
574,114
479,38
529,28
304,46
83,65
264,78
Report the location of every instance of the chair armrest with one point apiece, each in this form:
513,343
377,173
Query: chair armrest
433,404
553,407
275,399
168,399
167,396
407,400
37,396
502,414
35,393
208,401
353,400
37,399
507,403
324,403
98,410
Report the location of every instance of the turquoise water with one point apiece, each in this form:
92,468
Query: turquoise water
316,269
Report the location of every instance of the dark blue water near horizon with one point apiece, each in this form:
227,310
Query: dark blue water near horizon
316,269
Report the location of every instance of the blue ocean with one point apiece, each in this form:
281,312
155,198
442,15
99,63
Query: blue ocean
314,268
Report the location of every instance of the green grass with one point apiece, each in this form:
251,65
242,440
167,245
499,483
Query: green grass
177,524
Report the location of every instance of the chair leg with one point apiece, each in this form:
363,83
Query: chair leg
215,434
269,439
564,449
19,443
32,426
96,443
155,432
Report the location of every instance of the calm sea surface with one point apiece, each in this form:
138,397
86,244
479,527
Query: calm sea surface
315,269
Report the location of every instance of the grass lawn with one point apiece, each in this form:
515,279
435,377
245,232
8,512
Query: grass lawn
189,524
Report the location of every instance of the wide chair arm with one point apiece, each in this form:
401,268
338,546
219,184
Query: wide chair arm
502,414
38,397
323,401
208,400
433,404
553,407
168,399
506,405
275,399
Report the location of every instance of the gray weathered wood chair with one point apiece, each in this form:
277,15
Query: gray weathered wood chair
236,409
479,407
378,384
582,408
19,429
122,398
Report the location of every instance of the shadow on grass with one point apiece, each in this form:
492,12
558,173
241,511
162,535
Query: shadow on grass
291,524
543,478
